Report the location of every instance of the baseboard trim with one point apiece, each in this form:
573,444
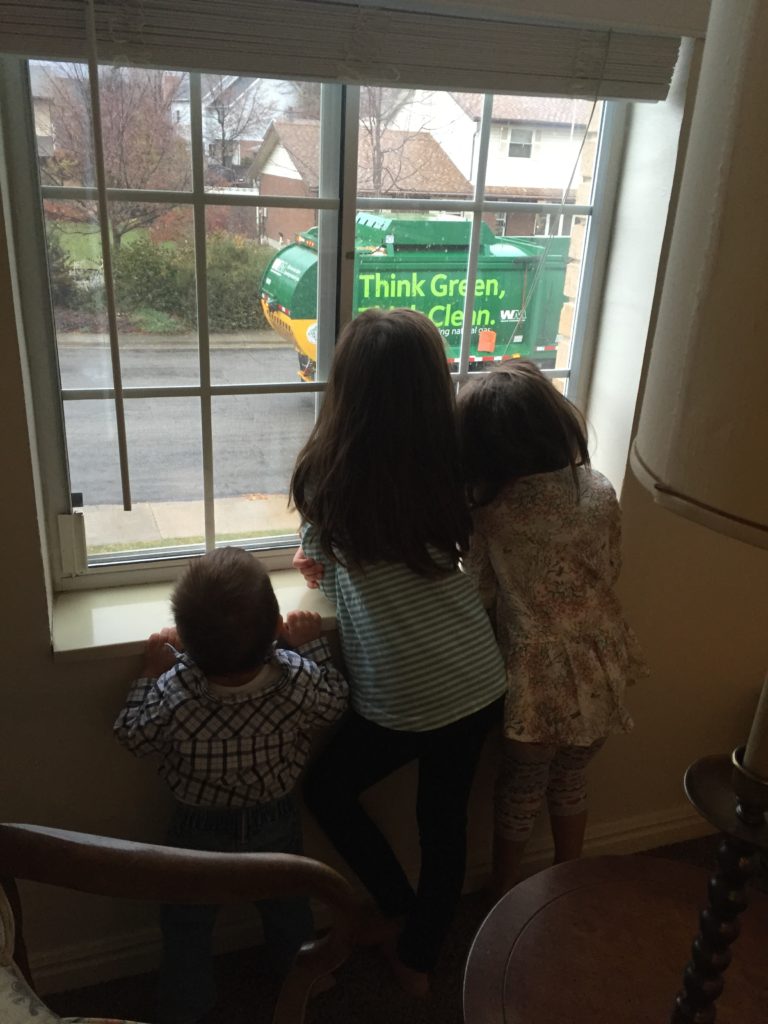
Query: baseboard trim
624,835
124,955
138,951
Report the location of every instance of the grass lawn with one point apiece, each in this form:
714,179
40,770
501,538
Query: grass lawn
83,241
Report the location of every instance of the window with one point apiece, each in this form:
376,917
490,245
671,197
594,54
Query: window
190,239
520,142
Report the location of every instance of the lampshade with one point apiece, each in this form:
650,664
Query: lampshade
702,440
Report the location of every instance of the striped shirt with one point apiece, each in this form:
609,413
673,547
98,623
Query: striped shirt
237,747
419,652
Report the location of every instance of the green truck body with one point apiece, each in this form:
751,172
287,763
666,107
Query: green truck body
421,263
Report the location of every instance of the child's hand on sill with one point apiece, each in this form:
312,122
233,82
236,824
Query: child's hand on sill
310,569
300,628
159,657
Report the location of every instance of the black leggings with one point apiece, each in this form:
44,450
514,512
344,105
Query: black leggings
363,753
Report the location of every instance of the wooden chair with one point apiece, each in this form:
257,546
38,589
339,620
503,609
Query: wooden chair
115,867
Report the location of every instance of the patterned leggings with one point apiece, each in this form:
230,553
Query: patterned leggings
532,771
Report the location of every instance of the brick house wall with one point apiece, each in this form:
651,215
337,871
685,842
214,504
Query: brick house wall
282,225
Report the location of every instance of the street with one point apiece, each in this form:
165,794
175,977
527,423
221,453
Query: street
255,437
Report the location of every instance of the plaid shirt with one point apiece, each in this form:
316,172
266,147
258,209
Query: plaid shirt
235,750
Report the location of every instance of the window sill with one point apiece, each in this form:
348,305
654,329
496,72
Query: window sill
114,622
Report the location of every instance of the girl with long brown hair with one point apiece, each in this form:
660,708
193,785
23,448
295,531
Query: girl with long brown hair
380,491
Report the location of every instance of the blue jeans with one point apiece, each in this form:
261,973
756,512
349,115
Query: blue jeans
187,987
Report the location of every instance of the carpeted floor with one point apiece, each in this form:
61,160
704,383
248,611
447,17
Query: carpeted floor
364,992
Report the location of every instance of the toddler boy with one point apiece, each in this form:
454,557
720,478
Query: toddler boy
229,700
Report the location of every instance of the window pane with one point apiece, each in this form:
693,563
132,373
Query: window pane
153,257
411,143
76,279
262,293
145,145
537,150
243,117
541,150
165,464
256,441
61,102
420,261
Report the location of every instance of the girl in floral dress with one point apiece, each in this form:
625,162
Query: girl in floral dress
545,554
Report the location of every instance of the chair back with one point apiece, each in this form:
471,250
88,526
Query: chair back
141,871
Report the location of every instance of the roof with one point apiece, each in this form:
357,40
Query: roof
412,161
531,109
301,140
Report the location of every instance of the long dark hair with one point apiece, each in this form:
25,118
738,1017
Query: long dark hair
380,477
513,422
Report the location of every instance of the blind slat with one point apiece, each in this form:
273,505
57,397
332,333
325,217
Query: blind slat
331,41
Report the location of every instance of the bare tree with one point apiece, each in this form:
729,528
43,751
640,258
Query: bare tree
390,121
236,109
141,146
305,100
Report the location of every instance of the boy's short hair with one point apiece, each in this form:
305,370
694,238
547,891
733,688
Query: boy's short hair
226,612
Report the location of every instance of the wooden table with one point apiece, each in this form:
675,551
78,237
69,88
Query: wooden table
604,940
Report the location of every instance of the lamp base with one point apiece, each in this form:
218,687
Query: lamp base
729,797
735,802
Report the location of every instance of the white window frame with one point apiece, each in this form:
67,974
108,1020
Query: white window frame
337,204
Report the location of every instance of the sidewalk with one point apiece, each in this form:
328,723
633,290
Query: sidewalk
264,338
161,522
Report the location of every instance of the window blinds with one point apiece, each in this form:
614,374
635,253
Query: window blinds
335,41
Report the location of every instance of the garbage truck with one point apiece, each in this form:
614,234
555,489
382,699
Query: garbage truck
421,263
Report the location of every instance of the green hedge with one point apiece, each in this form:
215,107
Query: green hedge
161,277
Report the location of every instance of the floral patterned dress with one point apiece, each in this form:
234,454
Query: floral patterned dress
546,557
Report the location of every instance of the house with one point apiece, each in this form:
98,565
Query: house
533,149
697,599
236,113
43,107
392,162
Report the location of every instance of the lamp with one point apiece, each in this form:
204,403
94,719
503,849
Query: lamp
701,445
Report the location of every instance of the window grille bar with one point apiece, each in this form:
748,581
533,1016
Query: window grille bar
331,105
555,374
467,206
474,237
225,390
135,195
201,277
106,250
597,239
256,199
490,205
191,391
348,204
